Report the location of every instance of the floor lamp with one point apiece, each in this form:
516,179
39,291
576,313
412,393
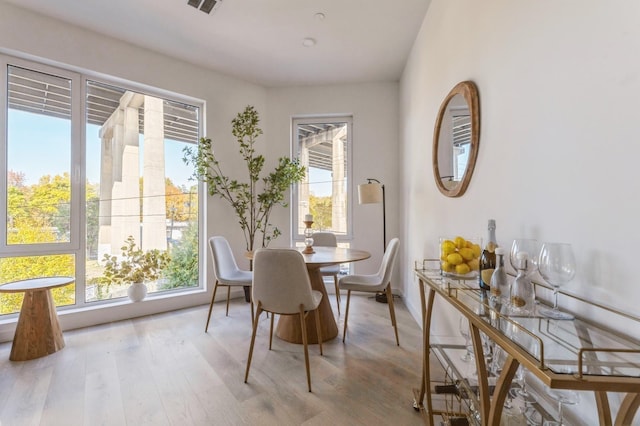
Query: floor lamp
373,193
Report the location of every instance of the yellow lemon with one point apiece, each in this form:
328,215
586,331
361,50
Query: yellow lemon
462,269
473,264
455,259
476,250
460,242
466,253
447,267
448,247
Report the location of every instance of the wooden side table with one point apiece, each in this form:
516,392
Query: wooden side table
38,331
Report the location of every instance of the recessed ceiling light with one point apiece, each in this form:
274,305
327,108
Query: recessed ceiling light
308,42
319,16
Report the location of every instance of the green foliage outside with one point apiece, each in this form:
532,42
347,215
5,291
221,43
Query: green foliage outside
182,270
320,208
39,213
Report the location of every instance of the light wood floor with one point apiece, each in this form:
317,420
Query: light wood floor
164,370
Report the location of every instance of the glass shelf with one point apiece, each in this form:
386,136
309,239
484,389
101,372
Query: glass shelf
576,354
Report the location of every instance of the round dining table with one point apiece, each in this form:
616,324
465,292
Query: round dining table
289,325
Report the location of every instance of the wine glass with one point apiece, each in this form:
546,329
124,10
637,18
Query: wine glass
522,393
466,333
564,397
557,266
529,246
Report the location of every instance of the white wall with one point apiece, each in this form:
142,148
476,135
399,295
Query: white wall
25,33
558,83
374,107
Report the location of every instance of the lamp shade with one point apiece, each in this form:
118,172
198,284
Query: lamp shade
370,193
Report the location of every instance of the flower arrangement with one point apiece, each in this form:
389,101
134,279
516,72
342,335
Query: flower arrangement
134,265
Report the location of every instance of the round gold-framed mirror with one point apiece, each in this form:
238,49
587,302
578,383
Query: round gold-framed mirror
456,139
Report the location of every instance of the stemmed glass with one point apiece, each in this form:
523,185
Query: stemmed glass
522,393
531,247
466,333
564,397
557,266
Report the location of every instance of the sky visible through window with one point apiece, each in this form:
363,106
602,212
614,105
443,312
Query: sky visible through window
47,156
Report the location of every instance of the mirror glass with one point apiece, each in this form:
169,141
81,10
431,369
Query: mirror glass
456,138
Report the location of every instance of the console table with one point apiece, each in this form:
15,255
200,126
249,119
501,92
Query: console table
38,331
575,354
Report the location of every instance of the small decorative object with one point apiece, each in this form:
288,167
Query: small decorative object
522,292
459,257
137,292
499,283
135,267
308,235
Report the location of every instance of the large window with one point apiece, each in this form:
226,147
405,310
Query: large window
323,145
64,211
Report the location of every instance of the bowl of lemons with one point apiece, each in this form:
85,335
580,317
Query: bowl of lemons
459,257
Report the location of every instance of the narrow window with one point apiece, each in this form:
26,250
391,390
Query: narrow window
323,146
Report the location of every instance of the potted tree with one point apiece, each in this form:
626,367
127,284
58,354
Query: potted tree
254,199
135,267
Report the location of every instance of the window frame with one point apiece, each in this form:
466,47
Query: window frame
77,242
296,236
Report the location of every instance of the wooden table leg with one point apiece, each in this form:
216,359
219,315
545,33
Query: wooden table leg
38,331
289,325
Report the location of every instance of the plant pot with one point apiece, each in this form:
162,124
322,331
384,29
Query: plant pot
137,292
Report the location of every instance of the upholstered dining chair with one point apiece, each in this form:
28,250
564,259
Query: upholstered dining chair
281,285
328,239
381,281
226,272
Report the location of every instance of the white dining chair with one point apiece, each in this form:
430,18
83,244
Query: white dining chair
380,281
328,239
226,272
281,285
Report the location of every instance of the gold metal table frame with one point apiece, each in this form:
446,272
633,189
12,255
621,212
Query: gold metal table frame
587,367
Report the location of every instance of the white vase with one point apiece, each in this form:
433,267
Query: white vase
137,292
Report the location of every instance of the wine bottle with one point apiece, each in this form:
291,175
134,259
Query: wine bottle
487,262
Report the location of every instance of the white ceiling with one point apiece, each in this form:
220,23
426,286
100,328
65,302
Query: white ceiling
261,40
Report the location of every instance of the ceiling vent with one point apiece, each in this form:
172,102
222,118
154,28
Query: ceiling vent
206,6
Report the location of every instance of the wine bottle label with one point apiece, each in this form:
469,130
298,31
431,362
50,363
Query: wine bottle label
486,275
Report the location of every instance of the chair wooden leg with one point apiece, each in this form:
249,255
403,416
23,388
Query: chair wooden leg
253,340
346,316
335,281
252,316
215,287
304,343
271,330
228,295
392,312
319,329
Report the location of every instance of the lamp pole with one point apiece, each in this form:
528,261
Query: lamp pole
384,214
